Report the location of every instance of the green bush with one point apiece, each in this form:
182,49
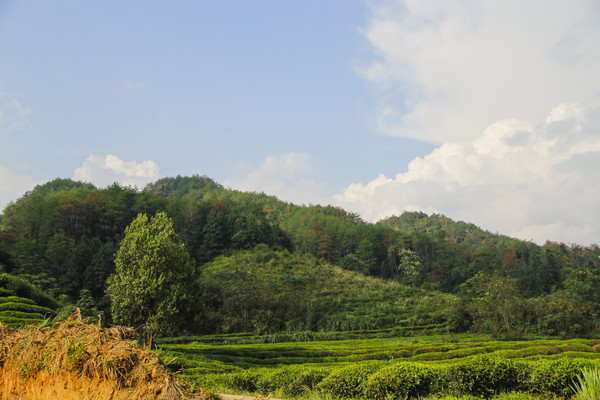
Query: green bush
290,380
557,376
484,376
244,381
400,381
348,382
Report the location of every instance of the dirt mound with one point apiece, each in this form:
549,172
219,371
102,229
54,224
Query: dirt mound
76,360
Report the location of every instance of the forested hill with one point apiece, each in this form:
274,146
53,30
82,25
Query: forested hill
63,236
441,225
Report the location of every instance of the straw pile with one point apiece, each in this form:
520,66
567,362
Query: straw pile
76,360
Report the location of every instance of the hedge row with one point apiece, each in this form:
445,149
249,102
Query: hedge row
16,299
482,376
31,308
20,314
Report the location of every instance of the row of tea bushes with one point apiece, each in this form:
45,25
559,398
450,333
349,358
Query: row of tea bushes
482,376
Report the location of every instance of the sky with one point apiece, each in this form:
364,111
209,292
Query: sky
485,111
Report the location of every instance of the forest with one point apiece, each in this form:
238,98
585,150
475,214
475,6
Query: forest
265,266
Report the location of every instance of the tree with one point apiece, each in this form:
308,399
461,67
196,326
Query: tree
498,305
411,267
151,289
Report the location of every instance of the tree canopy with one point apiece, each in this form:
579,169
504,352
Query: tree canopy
152,287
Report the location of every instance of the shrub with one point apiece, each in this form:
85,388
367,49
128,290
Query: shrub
245,381
291,380
402,380
588,385
484,376
348,382
557,376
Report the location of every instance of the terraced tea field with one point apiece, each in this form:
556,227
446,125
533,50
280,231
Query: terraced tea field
233,363
17,311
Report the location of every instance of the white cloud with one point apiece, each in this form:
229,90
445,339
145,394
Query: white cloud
13,185
533,181
445,70
13,115
282,176
104,171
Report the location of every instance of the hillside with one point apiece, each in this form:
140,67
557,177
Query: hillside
265,291
442,226
23,304
63,236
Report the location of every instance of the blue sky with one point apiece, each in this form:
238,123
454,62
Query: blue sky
484,111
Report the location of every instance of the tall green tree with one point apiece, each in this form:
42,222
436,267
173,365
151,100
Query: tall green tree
152,287
411,267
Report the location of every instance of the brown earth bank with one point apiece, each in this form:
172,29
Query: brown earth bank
76,360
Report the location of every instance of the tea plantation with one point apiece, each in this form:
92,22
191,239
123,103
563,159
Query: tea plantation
23,304
383,368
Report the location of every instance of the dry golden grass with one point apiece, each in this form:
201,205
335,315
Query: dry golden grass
76,360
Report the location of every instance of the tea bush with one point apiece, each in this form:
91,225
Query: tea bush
291,380
557,376
348,382
244,381
484,376
400,381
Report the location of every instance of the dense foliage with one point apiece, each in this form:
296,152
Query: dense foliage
63,236
152,288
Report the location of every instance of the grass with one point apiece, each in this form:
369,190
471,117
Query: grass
588,385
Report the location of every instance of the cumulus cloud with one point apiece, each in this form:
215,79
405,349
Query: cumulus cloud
13,185
281,175
445,70
104,171
533,181
13,115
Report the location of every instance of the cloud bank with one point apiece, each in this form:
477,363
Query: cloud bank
445,70
532,181
508,90
104,171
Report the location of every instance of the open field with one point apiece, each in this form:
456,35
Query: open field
374,367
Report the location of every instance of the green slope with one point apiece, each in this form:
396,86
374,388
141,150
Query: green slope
23,304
